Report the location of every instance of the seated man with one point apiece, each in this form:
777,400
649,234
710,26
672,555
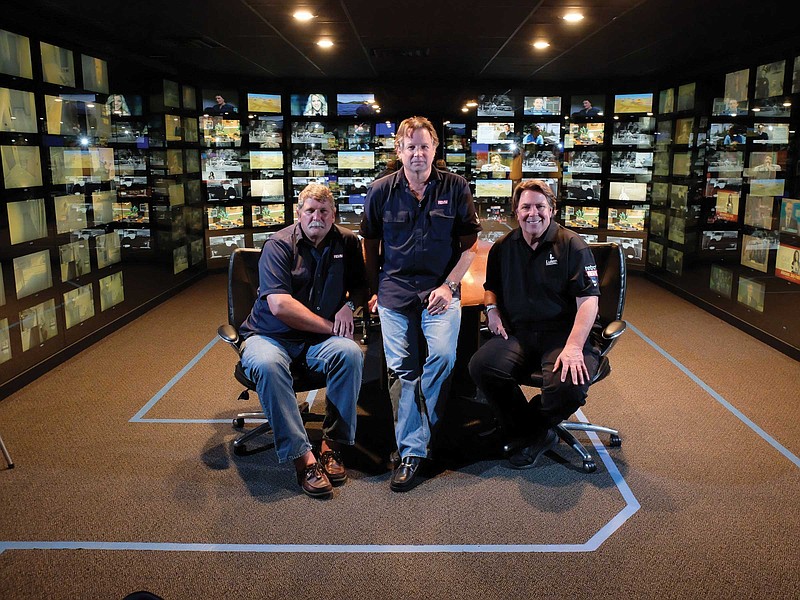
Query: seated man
541,297
310,275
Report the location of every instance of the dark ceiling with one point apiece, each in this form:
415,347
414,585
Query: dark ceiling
464,40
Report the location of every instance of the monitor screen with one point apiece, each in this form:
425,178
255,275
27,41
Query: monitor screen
314,104
542,105
633,103
264,103
355,105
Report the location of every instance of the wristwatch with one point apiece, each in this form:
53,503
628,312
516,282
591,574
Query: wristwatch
489,307
453,285
350,305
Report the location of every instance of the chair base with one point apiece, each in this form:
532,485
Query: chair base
565,429
264,428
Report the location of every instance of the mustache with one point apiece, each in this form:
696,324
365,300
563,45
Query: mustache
316,224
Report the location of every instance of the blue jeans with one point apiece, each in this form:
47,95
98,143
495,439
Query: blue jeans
419,408
266,361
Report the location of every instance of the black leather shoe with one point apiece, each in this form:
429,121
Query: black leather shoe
528,456
403,475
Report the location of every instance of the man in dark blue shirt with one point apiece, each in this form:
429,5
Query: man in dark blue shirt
311,277
541,297
421,223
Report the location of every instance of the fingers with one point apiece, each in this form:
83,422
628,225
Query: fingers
343,328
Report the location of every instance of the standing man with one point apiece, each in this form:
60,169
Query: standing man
426,223
311,277
221,107
541,296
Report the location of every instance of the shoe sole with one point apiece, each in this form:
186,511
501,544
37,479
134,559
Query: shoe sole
317,494
336,480
536,458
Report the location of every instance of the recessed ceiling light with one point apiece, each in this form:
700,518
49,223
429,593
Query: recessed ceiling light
472,104
303,15
324,43
540,45
573,17
464,109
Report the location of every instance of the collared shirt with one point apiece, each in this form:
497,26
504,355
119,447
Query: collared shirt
420,238
537,289
319,278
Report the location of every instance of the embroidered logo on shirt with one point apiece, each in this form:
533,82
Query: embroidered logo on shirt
591,272
338,256
443,202
551,260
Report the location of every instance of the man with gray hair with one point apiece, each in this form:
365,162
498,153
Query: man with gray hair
311,278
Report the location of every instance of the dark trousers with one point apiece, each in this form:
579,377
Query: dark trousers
500,365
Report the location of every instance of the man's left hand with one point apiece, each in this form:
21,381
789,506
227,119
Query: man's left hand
439,300
571,361
343,323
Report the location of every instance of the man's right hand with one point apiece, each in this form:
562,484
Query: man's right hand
373,303
496,324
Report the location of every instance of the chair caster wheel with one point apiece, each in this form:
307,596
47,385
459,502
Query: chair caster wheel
238,422
239,450
615,441
589,466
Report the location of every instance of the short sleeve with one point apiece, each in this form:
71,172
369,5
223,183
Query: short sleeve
275,269
583,270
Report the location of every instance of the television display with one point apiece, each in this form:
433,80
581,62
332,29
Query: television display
736,84
26,220
314,104
758,211
74,259
493,133
220,132
591,105
666,101
677,230
493,188
630,162
770,133
627,219
585,134
541,134
751,293
17,111
70,213
173,128
32,273
632,248
95,74
103,207
180,259
583,161
266,160
271,189
581,216
197,251
495,163
355,105
684,131
356,160
191,159
189,97
5,338
540,161
721,280
15,60
58,65
78,305
495,105
674,261
686,96
727,206
769,79
223,163
681,164
789,217
766,164
679,197
175,161
267,215
655,254
627,191
542,105
222,246
767,187
38,324
108,249
787,263
658,224
264,103
633,103
264,131
729,107
309,159
663,134
582,190
755,251
112,291
22,166
726,162
658,196
220,103
637,133
661,163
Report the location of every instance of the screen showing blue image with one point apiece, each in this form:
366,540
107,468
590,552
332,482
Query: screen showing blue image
355,105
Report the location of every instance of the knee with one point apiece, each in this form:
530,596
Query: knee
349,355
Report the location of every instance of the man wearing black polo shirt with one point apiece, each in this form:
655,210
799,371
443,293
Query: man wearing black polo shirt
311,277
541,296
425,223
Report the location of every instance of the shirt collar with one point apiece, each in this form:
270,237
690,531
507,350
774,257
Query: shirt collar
400,177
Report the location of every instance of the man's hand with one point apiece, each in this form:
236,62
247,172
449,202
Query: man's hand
571,361
373,303
439,299
495,323
343,323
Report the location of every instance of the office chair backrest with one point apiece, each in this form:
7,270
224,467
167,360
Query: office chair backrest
612,278
242,284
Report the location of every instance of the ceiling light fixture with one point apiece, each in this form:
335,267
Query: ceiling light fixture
324,43
541,45
573,17
471,104
303,15
464,109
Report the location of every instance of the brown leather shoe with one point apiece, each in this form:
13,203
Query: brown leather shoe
314,482
331,462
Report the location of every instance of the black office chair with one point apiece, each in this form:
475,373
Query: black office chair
612,279
242,294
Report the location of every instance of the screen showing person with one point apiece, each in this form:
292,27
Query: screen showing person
628,218
770,133
495,105
585,134
587,105
727,206
95,74
787,263
751,293
666,101
15,59
26,220
314,104
628,191
765,164
736,84
758,211
264,103
22,166
729,107
58,65
633,103
542,105
218,103
78,305
38,324
769,79
17,111
32,273
789,221
496,163
74,259
112,291
686,96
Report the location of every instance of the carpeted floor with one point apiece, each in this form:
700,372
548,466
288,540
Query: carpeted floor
125,480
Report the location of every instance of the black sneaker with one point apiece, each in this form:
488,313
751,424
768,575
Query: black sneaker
527,457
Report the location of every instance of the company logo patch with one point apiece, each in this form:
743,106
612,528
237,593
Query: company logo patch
338,256
443,202
551,260
591,272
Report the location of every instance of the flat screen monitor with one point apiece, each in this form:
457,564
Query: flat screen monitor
17,111
633,103
632,248
627,191
356,160
264,103
74,259
355,105
108,249
787,263
38,324
314,104
542,105
220,103
495,105
78,305
15,60
493,188
26,220
112,291
32,273
22,166
262,159
587,106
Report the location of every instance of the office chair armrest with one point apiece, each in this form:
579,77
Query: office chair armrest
614,329
229,334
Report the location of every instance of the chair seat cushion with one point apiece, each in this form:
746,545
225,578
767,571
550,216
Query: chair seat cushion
535,378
